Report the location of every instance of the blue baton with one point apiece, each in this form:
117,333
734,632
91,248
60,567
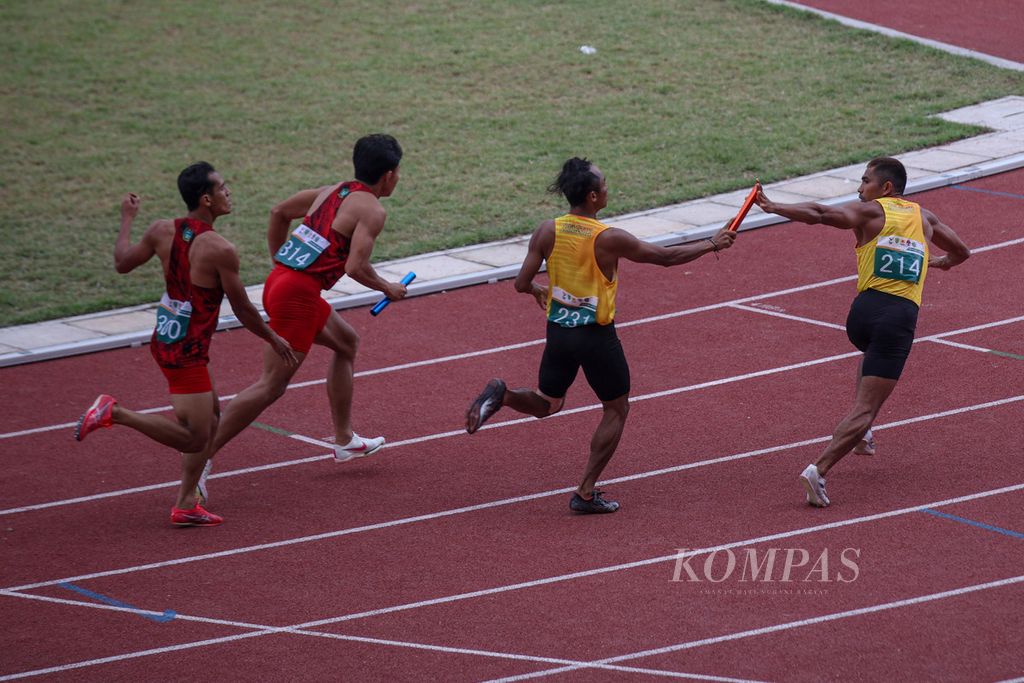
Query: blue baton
383,303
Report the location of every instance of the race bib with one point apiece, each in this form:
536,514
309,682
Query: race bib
571,311
172,319
899,258
303,247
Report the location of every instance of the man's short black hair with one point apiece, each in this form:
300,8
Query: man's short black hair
576,181
375,155
887,168
194,182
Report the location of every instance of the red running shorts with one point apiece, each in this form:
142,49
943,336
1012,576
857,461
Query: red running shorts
296,309
191,380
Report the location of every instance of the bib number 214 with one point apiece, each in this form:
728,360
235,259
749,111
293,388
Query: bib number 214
898,265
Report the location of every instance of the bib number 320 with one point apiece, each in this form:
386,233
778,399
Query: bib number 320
172,319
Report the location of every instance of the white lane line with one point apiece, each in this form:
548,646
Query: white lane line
431,437
896,604
809,442
893,33
14,592
973,328
958,345
997,245
314,382
493,504
653,560
493,425
939,338
134,655
493,350
264,629
787,316
162,485
534,342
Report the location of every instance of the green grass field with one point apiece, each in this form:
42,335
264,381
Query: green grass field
488,98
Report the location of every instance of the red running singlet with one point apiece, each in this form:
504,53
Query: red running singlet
329,265
182,337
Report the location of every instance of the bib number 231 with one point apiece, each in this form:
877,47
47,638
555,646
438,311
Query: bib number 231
303,247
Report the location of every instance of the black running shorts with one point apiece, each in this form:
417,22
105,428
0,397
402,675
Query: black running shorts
882,326
596,348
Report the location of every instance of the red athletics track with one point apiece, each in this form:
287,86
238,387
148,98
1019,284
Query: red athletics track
384,571
993,27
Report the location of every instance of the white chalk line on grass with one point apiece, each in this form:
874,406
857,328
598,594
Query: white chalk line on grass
896,604
305,626
536,342
498,503
265,629
493,425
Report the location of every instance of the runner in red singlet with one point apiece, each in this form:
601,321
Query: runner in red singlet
340,224
200,268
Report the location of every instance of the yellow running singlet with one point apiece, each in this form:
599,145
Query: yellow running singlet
895,262
579,294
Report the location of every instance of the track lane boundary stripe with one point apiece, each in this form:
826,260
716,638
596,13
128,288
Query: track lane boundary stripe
491,504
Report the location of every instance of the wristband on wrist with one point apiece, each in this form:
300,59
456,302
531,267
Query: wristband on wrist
714,246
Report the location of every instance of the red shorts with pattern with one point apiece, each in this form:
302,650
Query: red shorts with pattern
190,380
296,309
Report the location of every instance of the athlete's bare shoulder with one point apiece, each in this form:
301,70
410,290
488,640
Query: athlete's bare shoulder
214,244
366,204
545,232
360,210
614,239
543,238
159,237
160,230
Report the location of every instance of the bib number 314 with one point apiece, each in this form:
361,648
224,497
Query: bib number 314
303,247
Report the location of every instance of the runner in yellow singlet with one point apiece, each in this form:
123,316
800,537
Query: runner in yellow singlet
582,256
892,263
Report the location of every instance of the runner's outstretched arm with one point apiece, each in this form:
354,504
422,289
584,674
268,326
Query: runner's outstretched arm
844,216
626,245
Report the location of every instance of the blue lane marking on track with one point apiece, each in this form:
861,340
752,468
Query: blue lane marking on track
984,191
981,525
160,618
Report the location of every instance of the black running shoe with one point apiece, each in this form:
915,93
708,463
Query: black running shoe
595,505
485,405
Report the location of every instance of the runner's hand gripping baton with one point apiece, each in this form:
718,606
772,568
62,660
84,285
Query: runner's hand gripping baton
747,203
383,303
